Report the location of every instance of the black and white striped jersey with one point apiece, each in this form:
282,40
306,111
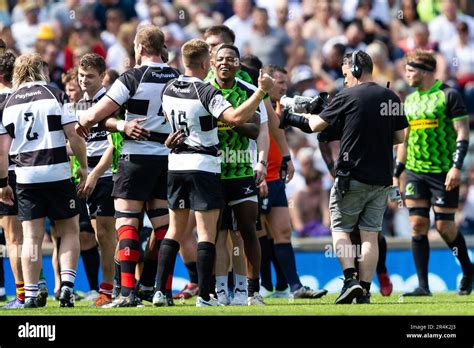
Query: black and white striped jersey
4,94
34,116
262,111
96,141
194,106
140,90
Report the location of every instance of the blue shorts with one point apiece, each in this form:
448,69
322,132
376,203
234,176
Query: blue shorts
276,197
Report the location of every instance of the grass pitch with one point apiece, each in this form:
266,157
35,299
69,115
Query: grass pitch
438,304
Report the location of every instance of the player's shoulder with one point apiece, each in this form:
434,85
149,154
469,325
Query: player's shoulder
449,91
58,94
245,85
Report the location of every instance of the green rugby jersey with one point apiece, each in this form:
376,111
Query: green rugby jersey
234,148
432,138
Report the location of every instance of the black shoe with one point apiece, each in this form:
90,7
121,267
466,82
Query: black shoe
116,291
42,296
307,292
169,299
132,300
364,299
3,298
465,287
145,295
350,291
31,302
66,297
419,292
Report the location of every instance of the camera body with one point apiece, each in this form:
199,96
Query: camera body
305,105
300,105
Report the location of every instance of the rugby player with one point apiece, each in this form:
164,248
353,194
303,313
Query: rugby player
433,153
143,151
193,108
35,121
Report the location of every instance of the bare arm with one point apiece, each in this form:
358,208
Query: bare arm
103,108
246,110
104,164
402,147
6,193
295,214
250,129
78,147
278,134
461,127
316,123
399,137
5,144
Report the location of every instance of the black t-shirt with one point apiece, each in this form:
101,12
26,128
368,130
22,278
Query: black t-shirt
367,134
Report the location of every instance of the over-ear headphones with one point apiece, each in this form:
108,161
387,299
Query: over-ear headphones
356,70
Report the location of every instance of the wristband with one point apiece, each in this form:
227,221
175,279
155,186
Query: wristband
260,93
399,168
121,125
286,159
460,154
4,182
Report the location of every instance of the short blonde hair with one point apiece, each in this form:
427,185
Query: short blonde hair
28,68
194,52
151,38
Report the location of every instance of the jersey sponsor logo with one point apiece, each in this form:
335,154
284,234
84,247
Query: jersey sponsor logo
410,189
423,124
163,75
439,200
72,204
27,95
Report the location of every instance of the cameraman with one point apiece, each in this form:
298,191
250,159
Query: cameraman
364,167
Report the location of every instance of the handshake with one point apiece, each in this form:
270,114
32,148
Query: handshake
294,107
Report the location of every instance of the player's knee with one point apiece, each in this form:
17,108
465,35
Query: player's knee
420,220
282,235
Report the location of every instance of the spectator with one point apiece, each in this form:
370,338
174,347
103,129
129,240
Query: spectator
102,6
420,39
50,56
163,19
301,49
460,55
322,26
384,70
118,54
7,37
25,32
83,37
61,13
380,10
353,39
241,22
71,86
114,19
302,81
400,27
281,10
271,45
373,26
443,27
310,216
